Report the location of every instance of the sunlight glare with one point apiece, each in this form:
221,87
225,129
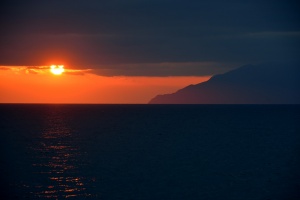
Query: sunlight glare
57,69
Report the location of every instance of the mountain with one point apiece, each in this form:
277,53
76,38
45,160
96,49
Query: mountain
268,83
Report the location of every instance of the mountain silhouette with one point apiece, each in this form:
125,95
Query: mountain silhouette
267,83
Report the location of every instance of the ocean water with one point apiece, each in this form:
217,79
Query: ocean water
136,152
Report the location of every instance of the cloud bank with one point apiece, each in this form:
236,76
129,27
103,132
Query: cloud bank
132,35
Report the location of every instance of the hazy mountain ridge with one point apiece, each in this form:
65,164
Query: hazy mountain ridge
274,83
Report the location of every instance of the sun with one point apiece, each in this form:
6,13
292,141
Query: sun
57,69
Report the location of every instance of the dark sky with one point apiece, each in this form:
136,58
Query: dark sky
133,37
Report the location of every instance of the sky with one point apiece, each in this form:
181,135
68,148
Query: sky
157,46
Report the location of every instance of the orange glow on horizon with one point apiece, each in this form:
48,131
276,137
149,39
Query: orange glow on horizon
57,69
38,85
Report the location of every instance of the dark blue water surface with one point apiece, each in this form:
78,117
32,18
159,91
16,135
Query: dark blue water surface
138,152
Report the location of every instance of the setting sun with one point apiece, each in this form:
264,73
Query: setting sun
57,69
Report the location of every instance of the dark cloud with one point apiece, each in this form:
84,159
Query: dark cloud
95,33
161,69
4,68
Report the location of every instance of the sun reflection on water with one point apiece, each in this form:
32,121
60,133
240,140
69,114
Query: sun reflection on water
58,163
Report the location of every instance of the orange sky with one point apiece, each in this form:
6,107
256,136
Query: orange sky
39,85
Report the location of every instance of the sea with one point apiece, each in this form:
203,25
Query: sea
148,152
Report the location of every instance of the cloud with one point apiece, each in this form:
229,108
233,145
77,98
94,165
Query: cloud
138,69
132,35
26,69
42,70
80,72
161,69
4,68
